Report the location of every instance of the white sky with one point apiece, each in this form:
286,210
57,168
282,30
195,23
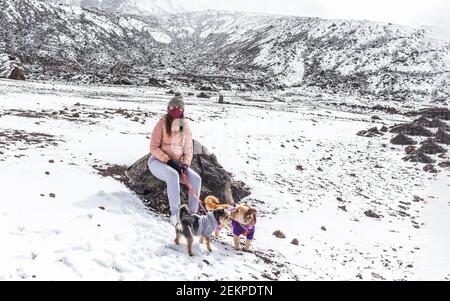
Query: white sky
408,12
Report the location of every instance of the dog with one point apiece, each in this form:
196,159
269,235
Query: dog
190,225
243,220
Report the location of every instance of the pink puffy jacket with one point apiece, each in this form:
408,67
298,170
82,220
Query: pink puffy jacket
177,146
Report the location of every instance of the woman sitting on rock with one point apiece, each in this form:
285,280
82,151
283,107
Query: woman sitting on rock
171,150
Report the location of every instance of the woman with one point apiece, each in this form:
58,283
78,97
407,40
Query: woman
171,149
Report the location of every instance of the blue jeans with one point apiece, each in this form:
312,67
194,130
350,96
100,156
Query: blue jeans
173,179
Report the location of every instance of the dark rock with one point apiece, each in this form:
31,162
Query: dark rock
437,123
442,136
441,113
295,242
323,228
76,115
203,95
430,168
279,234
411,129
375,117
17,73
343,208
52,195
402,139
419,157
384,129
371,214
299,167
410,149
101,207
372,132
220,98
445,164
191,94
429,146
423,121
215,181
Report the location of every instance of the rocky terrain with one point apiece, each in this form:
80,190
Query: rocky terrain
331,204
224,50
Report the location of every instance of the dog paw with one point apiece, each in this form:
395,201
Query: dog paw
248,250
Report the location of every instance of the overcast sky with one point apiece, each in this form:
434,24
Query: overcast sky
407,12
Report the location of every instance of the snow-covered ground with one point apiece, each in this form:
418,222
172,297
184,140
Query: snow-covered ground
61,220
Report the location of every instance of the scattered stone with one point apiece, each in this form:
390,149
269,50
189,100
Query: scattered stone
441,113
430,168
47,173
279,234
191,94
221,98
384,129
429,146
203,95
423,121
419,157
299,167
323,228
343,208
76,115
442,136
372,132
417,198
445,164
402,139
411,129
437,123
410,149
101,207
375,117
52,195
51,161
371,214
18,73
295,242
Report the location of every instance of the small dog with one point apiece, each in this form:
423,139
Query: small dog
190,225
243,220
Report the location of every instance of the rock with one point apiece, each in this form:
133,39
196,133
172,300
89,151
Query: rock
203,95
343,208
437,123
442,136
430,168
423,121
384,129
123,81
429,146
411,129
215,181
369,133
299,167
279,234
220,98
402,139
419,157
295,242
51,161
445,164
207,88
101,207
441,113
171,92
371,214
410,149
191,94
323,228
375,117
47,173
52,195
76,115
17,73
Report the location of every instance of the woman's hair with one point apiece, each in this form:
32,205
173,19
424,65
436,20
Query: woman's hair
169,121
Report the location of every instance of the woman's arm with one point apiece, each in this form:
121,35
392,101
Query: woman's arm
155,143
188,148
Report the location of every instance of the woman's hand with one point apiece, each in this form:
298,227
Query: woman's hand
184,168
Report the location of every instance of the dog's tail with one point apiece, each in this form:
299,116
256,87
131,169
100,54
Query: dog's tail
212,203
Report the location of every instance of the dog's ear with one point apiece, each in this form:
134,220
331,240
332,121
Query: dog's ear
251,211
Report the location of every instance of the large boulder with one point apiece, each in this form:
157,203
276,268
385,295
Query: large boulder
215,181
402,139
441,113
11,67
442,136
430,146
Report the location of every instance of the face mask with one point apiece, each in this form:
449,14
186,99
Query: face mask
176,113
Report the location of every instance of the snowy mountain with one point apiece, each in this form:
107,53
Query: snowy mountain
225,49
137,7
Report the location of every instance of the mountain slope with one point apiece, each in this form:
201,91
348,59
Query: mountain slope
229,50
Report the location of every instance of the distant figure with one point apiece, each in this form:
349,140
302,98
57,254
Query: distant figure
220,98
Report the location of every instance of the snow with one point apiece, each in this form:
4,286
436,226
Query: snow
161,37
70,238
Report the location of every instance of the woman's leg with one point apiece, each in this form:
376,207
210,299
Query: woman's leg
169,175
196,183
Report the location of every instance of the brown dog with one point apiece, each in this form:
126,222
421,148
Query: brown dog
243,220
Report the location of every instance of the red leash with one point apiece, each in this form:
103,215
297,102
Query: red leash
186,181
